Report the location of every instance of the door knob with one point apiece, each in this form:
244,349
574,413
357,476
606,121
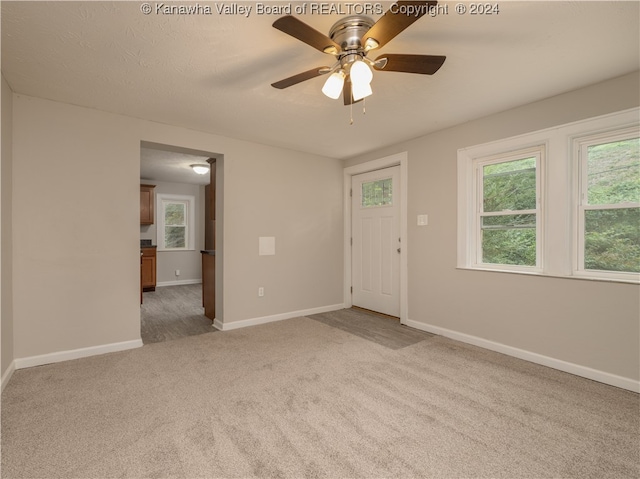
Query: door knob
398,250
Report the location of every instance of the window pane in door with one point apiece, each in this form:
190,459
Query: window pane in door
377,193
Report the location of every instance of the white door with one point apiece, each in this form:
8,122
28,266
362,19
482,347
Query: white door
375,229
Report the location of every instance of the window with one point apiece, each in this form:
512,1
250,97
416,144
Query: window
608,229
561,202
507,205
175,222
377,193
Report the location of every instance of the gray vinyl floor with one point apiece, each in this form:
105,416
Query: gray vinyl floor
381,330
173,312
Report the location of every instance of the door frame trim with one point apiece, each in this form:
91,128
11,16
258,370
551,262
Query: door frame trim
398,159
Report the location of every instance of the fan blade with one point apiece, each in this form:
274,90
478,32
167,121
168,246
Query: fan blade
398,62
391,24
303,32
346,92
300,77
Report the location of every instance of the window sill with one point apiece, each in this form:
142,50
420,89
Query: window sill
558,276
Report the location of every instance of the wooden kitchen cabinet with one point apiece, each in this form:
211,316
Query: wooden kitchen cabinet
212,184
209,283
148,269
209,253
146,204
210,208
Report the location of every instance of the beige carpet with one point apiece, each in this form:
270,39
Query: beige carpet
298,398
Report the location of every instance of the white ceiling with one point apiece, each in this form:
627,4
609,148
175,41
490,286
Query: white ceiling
164,165
213,72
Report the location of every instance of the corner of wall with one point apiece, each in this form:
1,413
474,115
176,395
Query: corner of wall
6,233
6,374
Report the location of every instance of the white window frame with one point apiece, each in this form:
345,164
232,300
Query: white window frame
579,149
189,202
560,191
475,238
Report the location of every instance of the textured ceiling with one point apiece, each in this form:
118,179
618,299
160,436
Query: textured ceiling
162,165
212,72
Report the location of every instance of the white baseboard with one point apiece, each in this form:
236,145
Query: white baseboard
178,282
7,374
572,368
276,317
57,357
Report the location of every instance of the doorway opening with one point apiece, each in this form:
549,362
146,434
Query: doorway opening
371,191
376,243
178,226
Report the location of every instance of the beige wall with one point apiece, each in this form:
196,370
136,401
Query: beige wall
589,323
6,242
77,285
188,262
298,200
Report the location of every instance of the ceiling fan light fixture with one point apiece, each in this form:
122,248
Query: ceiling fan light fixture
334,84
350,39
360,90
360,73
370,44
200,169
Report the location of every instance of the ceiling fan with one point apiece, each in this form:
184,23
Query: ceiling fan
350,40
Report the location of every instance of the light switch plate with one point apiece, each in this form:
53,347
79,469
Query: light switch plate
423,220
266,245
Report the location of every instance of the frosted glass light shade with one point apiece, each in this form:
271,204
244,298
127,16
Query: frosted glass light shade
200,169
360,90
333,86
360,73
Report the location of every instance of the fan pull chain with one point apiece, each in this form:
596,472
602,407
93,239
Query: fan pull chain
351,110
364,106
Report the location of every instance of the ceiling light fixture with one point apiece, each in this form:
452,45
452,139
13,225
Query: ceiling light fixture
360,90
200,169
360,72
333,86
361,76
349,41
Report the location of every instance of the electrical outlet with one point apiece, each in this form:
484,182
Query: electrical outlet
260,291
177,272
